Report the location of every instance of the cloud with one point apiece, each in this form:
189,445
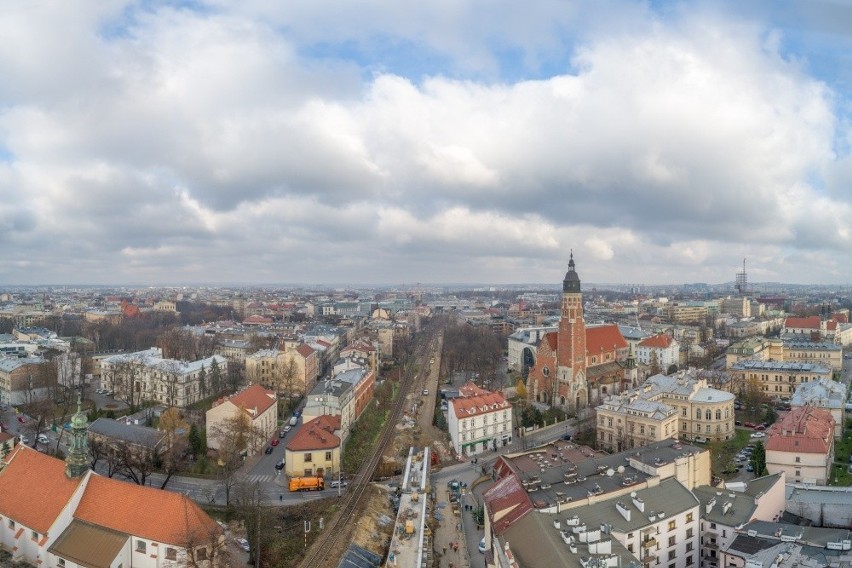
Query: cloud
156,142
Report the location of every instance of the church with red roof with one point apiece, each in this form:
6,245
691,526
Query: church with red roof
578,365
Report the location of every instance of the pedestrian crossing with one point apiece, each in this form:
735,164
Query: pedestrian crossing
262,478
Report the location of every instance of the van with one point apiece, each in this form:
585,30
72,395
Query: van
700,440
294,420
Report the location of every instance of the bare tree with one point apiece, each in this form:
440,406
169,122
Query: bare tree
205,547
126,382
135,462
235,437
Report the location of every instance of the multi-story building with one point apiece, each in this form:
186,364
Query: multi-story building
823,353
21,381
826,394
738,306
479,421
564,505
662,350
678,406
258,405
724,511
801,445
777,379
293,370
315,449
346,395
146,375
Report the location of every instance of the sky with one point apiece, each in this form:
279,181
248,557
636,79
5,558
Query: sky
401,141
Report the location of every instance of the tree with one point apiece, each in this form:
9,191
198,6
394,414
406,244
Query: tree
124,376
758,459
521,389
202,382
654,367
287,373
672,369
216,382
770,416
197,445
234,436
135,462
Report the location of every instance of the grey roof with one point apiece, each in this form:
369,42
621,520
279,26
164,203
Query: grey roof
352,376
357,557
725,507
9,364
797,343
822,392
761,485
119,430
333,387
812,536
749,364
819,494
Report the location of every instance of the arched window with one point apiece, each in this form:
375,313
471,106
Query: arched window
708,415
698,414
718,415
727,413
603,390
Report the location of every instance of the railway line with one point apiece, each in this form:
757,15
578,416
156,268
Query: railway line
329,547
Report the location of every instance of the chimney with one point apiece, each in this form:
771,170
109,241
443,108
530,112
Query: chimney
625,512
640,504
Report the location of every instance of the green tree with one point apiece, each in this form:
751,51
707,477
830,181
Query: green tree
197,444
758,460
770,416
215,377
202,381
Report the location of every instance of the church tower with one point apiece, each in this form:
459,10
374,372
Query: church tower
571,348
77,460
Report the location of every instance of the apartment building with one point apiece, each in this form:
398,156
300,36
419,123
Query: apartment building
293,370
315,449
680,406
801,445
777,378
480,421
258,405
146,375
661,349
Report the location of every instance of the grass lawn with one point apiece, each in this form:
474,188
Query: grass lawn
842,450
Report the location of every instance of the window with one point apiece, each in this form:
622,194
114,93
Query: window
684,411
798,459
718,415
689,532
798,473
672,525
328,456
630,547
698,414
140,546
11,524
689,560
171,553
60,562
34,535
689,547
689,517
201,554
671,541
308,457
708,415
713,526
672,554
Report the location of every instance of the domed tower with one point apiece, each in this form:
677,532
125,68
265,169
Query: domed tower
571,349
77,460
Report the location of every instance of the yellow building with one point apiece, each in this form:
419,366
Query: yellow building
293,370
258,404
315,449
679,406
777,378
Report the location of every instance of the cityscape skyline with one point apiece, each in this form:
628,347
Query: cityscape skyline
148,143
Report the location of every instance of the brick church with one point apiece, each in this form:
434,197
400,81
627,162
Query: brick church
577,366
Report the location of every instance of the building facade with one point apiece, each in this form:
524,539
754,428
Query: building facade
260,408
776,378
479,421
801,445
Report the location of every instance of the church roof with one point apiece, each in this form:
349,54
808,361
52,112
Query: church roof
604,338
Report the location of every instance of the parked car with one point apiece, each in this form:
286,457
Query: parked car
287,428
21,419
749,468
268,450
738,423
758,435
425,392
242,543
274,442
700,440
338,483
279,466
42,439
760,427
282,433
749,424
481,546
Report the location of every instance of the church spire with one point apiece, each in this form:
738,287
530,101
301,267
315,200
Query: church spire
571,283
77,460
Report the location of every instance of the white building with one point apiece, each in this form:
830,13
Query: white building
146,375
479,421
801,445
260,409
662,348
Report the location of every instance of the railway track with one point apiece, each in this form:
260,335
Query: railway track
327,549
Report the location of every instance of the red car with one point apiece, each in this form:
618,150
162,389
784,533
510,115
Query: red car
21,419
274,442
749,424
760,427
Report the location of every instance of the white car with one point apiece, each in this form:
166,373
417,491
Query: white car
242,543
482,545
336,483
42,439
758,435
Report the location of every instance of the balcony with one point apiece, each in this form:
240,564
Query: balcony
649,558
648,543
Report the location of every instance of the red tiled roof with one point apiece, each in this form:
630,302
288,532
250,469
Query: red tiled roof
470,389
257,319
604,338
660,341
254,398
811,322
162,516
830,325
476,405
318,434
840,318
304,350
506,502
4,436
34,489
804,429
